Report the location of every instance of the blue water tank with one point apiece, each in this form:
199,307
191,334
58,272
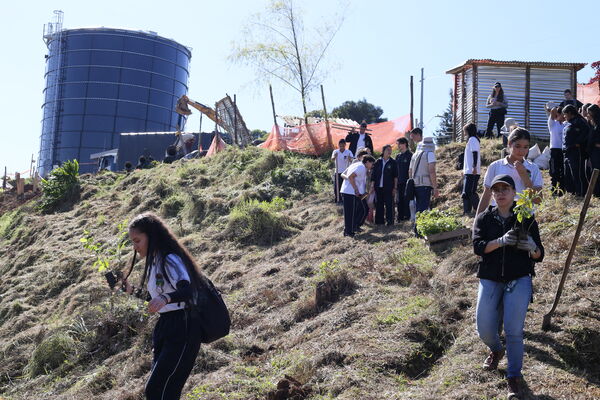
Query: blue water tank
101,82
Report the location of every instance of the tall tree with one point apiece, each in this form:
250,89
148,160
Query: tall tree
359,111
446,127
596,66
277,45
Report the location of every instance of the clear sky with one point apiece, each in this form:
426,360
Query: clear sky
381,43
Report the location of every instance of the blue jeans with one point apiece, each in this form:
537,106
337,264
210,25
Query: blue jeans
423,197
493,298
469,193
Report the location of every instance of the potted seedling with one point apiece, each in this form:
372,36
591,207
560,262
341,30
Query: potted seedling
438,226
524,210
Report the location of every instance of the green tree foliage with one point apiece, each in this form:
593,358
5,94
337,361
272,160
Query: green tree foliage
277,45
259,134
61,186
316,114
359,111
446,126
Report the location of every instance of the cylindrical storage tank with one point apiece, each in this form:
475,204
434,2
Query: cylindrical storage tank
101,82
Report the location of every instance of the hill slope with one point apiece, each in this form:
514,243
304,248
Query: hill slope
378,317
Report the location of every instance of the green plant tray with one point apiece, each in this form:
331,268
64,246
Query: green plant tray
455,234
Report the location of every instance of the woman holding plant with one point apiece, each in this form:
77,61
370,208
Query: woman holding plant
507,239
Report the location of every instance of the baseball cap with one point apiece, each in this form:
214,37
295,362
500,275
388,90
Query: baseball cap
504,178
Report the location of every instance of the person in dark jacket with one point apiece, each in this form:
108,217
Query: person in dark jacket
359,140
574,145
569,99
505,272
403,163
594,141
171,155
385,180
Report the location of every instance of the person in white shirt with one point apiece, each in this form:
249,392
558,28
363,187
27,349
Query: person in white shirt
342,159
353,189
557,158
526,174
471,170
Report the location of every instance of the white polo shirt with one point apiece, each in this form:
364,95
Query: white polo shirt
158,283
472,145
361,141
556,133
501,167
343,159
360,179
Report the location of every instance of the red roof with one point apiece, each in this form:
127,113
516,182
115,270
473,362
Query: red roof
470,63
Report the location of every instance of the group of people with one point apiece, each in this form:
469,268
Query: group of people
363,184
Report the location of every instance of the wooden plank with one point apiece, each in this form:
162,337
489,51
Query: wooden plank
20,184
438,237
36,182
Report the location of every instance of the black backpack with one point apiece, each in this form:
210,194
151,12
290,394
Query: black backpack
209,309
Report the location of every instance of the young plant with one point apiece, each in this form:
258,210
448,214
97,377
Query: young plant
434,221
106,253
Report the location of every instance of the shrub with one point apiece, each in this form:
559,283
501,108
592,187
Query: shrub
259,222
434,221
264,164
61,186
300,179
51,354
172,205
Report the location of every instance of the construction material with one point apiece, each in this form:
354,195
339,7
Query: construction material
546,323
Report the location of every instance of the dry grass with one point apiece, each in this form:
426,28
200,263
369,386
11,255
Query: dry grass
391,320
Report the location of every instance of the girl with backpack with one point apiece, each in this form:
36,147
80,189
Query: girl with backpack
173,278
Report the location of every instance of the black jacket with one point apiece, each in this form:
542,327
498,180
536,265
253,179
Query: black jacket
403,164
505,263
576,134
390,172
352,138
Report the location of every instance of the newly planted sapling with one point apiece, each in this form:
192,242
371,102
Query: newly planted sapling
525,210
106,253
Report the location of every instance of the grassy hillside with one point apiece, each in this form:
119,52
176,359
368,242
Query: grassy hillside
377,317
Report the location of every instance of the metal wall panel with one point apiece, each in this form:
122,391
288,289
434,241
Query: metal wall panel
460,102
469,93
546,85
513,83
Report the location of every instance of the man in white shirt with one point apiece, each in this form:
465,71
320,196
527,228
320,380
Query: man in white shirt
342,159
557,158
353,188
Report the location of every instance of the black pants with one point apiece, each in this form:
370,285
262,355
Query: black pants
469,193
595,160
353,213
384,203
175,349
403,209
496,118
557,168
337,195
575,180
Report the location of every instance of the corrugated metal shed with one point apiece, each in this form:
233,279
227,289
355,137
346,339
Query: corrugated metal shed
528,85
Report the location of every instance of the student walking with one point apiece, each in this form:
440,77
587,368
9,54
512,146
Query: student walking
497,103
342,159
353,189
505,273
524,173
403,164
471,170
422,170
557,158
384,178
172,277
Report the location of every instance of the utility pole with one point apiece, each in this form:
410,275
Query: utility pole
421,116
412,97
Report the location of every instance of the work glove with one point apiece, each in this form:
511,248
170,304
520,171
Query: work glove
528,245
509,239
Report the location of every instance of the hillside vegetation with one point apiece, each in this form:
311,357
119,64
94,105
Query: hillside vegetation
376,317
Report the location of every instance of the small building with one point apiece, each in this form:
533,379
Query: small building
527,85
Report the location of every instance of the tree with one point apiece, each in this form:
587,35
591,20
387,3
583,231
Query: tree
315,114
259,134
446,127
359,111
596,77
276,44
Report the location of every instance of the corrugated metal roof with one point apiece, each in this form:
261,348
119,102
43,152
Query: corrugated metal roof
469,64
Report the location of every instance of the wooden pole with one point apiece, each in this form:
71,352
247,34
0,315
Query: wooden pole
274,115
336,180
20,182
412,102
329,138
586,203
235,119
31,167
4,180
36,182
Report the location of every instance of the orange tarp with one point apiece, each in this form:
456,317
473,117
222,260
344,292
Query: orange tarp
589,93
216,146
313,139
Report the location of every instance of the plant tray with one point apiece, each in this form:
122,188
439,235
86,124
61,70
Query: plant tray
442,236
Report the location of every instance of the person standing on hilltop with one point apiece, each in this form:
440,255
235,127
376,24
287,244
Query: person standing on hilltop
342,158
403,163
471,170
353,189
384,179
497,104
422,170
359,140
172,279
525,174
505,272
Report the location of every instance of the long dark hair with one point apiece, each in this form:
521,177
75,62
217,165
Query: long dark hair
471,130
594,113
500,96
161,243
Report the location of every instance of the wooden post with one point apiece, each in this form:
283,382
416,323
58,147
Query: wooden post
4,180
36,182
412,121
20,184
31,167
216,122
329,138
235,119
274,115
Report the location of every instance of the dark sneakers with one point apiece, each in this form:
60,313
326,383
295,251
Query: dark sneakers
513,388
492,360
